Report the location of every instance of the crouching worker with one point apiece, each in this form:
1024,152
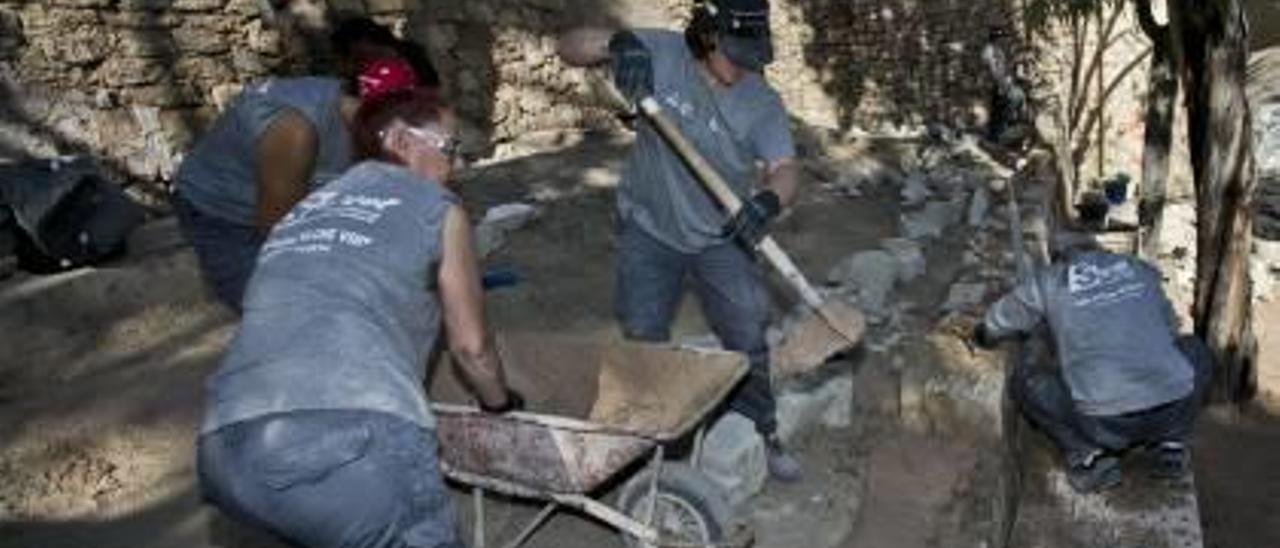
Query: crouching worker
317,427
1125,379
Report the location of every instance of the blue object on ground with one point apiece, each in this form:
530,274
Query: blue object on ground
499,277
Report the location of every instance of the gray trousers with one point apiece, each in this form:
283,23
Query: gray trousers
330,479
735,302
1044,398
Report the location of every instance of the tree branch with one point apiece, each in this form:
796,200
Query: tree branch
1095,63
1096,113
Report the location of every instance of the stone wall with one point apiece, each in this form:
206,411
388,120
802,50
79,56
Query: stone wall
135,80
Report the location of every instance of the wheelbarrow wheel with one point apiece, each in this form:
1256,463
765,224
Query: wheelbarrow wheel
690,509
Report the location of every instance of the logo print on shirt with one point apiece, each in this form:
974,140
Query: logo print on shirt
329,204
1094,285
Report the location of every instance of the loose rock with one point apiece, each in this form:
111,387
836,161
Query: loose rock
910,257
979,206
964,296
936,217
873,273
733,456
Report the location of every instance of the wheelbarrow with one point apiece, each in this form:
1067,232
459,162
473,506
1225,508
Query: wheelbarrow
594,410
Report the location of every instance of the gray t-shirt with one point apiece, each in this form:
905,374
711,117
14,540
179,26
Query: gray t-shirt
342,310
733,127
1113,329
219,176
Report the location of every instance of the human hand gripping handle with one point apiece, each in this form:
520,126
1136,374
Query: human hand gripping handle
751,223
632,65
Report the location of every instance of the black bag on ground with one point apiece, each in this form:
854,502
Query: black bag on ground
67,214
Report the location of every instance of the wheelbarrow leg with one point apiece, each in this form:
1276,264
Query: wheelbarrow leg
477,497
651,507
533,525
695,460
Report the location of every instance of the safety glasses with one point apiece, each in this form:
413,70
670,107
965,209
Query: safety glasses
446,144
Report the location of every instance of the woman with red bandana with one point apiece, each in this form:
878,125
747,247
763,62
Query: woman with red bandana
277,140
317,428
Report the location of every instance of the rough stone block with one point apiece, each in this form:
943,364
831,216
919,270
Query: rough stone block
964,296
198,5
936,218
81,3
802,407
132,71
910,256
733,456
200,40
873,273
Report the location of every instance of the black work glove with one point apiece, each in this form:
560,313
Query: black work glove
751,222
983,338
515,402
632,65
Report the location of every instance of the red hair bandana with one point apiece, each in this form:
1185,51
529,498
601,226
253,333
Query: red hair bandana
384,76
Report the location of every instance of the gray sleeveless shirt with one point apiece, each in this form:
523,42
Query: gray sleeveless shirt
219,176
342,310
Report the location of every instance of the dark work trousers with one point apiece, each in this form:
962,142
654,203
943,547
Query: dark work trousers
735,302
1045,400
330,479
227,252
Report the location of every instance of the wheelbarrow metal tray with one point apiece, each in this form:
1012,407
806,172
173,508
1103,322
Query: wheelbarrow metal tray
593,407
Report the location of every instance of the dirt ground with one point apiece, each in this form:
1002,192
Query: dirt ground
101,389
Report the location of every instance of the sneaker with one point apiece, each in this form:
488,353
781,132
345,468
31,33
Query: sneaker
1093,472
783,466
1172,460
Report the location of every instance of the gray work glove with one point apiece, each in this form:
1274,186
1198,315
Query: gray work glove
632,65
751,223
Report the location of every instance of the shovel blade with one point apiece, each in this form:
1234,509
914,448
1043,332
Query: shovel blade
836,327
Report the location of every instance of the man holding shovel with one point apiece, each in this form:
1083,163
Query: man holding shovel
711,80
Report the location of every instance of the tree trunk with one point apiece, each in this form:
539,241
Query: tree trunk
1212,36
1162,89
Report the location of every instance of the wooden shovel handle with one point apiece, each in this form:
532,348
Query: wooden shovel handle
720,189
707,174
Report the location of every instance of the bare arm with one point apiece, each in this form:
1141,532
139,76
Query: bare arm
463,302
783,178
286,159
585,47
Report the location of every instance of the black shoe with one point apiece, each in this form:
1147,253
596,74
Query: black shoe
1172,460
1093,472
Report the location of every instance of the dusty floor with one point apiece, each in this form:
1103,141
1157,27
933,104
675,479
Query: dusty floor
1238,480
101,391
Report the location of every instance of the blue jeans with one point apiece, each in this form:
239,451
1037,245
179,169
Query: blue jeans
735,302
1044,398
227,251
332,479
